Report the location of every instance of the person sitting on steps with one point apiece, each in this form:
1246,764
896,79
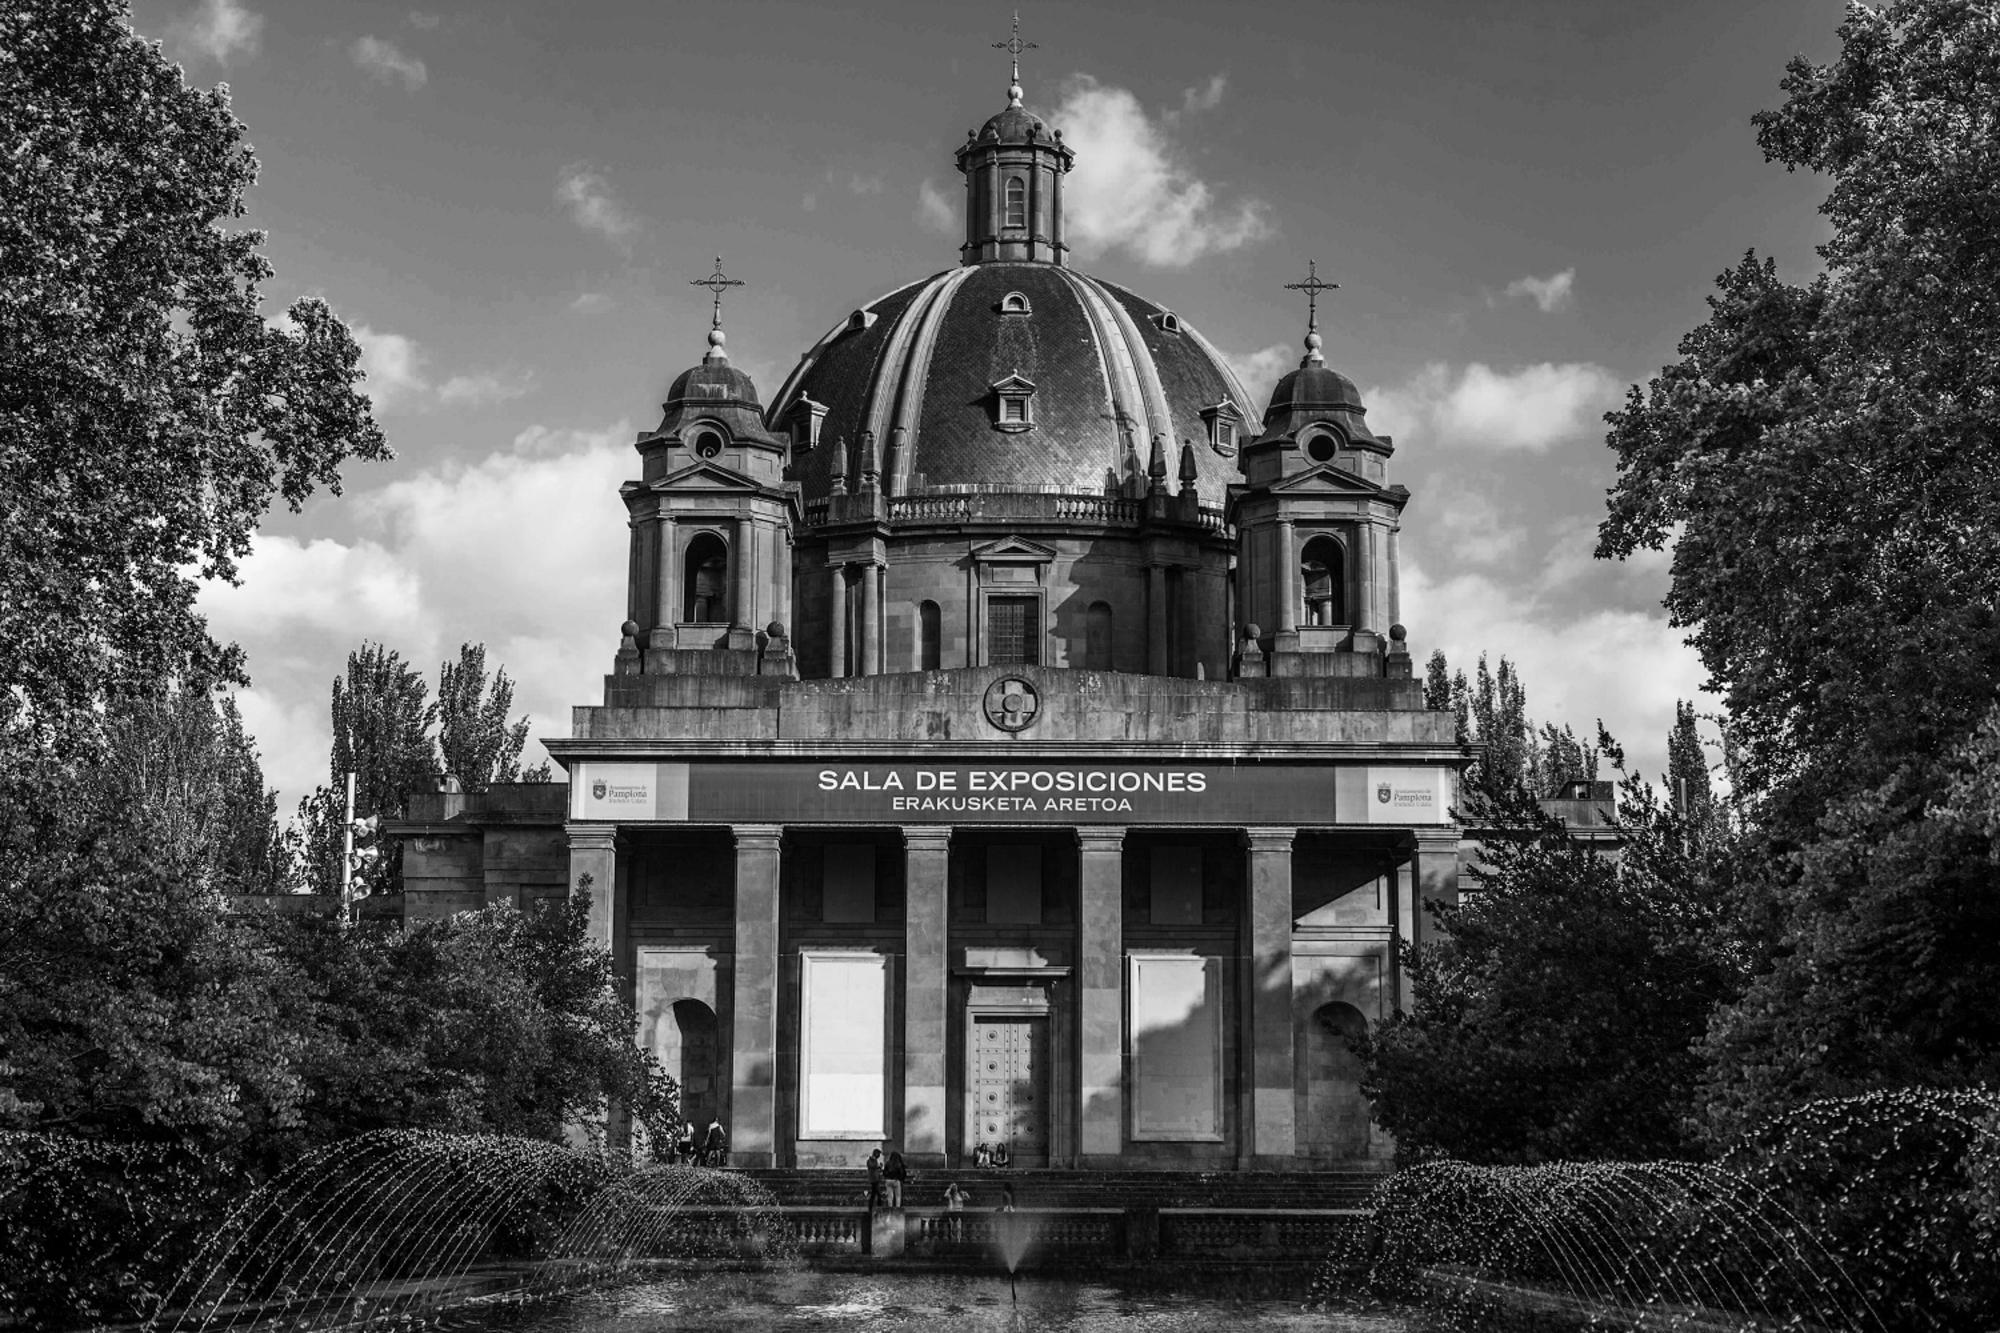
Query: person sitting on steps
1001,1155
982,1157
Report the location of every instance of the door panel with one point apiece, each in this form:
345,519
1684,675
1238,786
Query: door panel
1008,1093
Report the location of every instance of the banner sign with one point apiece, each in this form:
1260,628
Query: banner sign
1004,793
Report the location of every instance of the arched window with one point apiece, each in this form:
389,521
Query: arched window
1017,202
704,588
1097,637
930,636
1323,577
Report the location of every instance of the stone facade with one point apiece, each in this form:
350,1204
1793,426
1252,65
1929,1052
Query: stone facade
1007,742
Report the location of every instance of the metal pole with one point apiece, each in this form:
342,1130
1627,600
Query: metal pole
347,855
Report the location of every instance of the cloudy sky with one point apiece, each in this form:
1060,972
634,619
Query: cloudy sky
1524,204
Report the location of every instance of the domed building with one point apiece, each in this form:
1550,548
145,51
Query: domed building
1010,739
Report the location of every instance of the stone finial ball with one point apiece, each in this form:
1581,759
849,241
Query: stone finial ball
1398,633
1252,632
630,629
716,337
776,629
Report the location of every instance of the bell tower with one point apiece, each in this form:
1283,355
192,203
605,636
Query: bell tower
712,518
1316,526
1013,169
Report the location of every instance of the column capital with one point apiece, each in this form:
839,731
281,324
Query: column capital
1269,839
1098,836
762,837
592,837
1434,840
929,837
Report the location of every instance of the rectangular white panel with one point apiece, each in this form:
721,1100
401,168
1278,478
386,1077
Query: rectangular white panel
843,1056
1176,1027
602,790
1402,796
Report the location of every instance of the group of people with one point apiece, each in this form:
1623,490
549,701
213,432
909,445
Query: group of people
889,1177
997,1154
711,1149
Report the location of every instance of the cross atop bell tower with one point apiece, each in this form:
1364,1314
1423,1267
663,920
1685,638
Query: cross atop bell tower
717,283
1014,46
1312,287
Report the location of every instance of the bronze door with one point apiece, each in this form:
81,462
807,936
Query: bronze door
1009,1092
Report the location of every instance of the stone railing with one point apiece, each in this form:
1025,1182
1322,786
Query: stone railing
1274,1233
1060,1236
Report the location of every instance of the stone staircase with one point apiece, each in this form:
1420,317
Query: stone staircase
1048,1188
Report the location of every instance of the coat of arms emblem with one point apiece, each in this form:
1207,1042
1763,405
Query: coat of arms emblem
1382,794
598,788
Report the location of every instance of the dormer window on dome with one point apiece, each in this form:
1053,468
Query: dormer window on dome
1222,421
802,422
1014,303
1168,321
1013,402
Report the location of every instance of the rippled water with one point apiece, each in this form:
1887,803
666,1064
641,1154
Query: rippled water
963,1303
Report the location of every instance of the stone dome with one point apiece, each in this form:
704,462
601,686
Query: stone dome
1102,369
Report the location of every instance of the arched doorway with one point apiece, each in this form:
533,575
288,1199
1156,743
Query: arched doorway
705,584
685,1044
1323,578
1336,1123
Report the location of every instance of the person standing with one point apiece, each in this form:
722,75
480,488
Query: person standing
715,1152
684,1150
894,1176
955,1200
875,1178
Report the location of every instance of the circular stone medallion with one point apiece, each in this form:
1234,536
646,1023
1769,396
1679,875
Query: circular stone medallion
1012,703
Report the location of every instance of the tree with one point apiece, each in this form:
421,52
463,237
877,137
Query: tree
131,1003
148,413
478,744
1556,1012
382,718
1823,462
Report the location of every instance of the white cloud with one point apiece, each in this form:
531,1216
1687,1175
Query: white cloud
426,21
1528,409
1260,372
809,202
1204,96
386,61
591,303
392,365
1132,190
523,551
479,390
396,377
934,209
868,184
1550,293
217,30
1626,667
586,191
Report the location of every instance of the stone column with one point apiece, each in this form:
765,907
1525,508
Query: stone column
1269,1135
665,591
1156,621
635,573
1288,573
753,1033
1371,548
593,851
1055,216
1395,581
1100,994
926,869
745,611
871,621
836,629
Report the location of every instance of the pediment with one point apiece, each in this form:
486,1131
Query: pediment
705,475
1014,549
1325,479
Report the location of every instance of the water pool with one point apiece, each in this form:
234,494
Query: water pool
963,1303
